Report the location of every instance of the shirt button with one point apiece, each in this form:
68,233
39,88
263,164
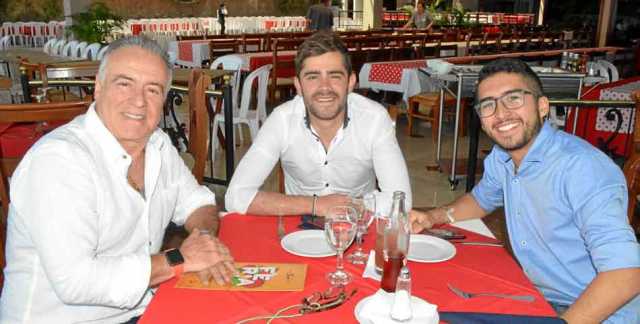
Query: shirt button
124,156
523,243
515,180
326,162
326,184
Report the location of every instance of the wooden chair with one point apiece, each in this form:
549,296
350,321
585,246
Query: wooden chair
26,113
632,170
281,85
198,122
432,100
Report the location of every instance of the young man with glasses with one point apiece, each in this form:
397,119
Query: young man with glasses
565,202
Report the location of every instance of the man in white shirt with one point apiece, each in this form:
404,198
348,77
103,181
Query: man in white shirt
330,142
91,201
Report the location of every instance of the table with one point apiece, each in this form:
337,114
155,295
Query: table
556,83
190,53
399,76
254,239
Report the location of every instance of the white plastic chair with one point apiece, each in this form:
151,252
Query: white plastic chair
69,48
231,62
80,48
5,42
101,52
91,51
56,49
244,115
613,71
48,46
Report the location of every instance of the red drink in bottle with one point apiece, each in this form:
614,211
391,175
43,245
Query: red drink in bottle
390,272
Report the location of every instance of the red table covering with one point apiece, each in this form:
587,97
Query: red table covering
256,61
391,72
185,49
254,239
590,120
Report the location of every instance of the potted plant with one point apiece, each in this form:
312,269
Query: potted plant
96,24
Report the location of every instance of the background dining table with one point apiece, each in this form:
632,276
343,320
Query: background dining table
255,239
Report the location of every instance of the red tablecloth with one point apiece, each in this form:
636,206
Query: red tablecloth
258,60
593,126
254,239
185,49
17,138
391,72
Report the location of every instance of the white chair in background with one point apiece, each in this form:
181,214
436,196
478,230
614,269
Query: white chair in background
69,48
101,52
231,62
5,42
80,48
91,51
613,71
57,47
244,115
48,46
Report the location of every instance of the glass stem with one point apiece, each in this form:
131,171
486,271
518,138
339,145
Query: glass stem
359,240
339,266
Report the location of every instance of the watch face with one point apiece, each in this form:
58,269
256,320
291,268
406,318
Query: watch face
174,257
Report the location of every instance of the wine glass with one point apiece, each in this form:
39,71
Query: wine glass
340,229
366,208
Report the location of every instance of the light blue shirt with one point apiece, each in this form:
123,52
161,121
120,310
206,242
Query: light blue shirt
566,212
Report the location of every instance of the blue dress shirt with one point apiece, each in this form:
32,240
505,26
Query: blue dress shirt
566,213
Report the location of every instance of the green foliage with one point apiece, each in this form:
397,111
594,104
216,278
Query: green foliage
51,10
96,24
292,7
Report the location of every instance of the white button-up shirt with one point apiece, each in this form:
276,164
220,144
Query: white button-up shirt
364,149
79,237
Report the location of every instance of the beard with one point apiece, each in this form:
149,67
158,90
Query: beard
324,112
520,140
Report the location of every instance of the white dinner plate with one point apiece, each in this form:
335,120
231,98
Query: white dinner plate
307,243
416,303
427,248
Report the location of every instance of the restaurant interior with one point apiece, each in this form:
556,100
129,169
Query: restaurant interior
587,54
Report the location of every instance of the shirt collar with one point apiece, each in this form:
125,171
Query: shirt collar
537,150
108,143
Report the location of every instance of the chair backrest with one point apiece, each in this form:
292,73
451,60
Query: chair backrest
198,122
262,75
48,46
25,113
77,52
91,52
231,62
101,52
57,47
68,48
613,71
632,169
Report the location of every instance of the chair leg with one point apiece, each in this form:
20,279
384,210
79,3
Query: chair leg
410,107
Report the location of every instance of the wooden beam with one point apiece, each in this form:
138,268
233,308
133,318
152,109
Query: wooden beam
605,21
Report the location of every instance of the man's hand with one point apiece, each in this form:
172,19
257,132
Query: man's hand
421,220
324,203
208,256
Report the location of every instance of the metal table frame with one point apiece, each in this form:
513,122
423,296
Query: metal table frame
557,83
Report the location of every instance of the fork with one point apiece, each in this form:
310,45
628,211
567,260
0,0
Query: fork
467,295
281,231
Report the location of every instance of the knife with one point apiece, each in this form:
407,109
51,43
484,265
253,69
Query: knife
479,243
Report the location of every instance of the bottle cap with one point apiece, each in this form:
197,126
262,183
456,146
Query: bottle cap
404,273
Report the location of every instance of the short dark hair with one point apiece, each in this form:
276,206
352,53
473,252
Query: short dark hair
319,43
511,65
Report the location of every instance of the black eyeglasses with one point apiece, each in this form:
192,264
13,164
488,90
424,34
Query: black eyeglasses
511,100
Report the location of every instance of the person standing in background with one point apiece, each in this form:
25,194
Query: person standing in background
420,18
222,14
320,16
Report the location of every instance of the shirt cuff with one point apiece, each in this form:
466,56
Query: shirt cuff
616,255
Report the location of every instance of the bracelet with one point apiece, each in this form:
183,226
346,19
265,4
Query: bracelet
313,205
448,211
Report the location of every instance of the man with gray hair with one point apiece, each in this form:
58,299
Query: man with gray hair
92,199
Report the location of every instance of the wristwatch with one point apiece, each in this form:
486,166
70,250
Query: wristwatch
175,260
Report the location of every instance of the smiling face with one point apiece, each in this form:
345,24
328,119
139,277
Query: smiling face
324,83
512,129
130,95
